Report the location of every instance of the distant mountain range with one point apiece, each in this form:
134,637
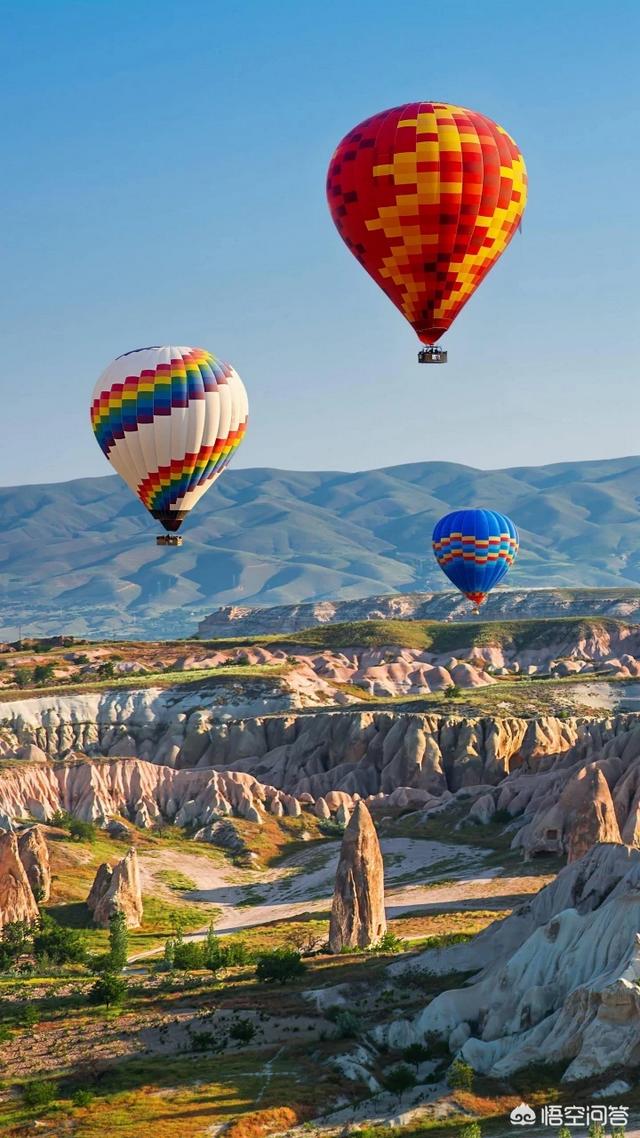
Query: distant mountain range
81,556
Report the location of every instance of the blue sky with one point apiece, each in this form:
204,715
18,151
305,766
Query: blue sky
164,168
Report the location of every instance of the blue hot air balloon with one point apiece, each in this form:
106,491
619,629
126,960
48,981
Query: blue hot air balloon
475,548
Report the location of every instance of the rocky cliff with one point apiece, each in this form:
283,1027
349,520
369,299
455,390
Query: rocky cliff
560,978
504,604
525,769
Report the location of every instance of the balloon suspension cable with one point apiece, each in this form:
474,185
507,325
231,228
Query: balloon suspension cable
169,539
432,355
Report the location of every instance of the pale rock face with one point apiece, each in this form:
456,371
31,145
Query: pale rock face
17,902
582,815
122,894
483,809
101,883
357,914
34,855
557,980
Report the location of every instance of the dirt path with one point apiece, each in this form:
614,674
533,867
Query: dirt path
414,870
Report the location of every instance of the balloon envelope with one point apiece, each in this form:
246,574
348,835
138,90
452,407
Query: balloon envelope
427,196
169,419
475,548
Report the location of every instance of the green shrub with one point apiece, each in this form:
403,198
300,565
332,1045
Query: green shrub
399,1079
231,954
42,673
390,942
460,1075
242,1030
29,1016
39,1093
331,828
188,956
82,1097
14,940
55,944
22,677
280,966
109,989
203,1041
416,1053
118,941
81,831
471,1130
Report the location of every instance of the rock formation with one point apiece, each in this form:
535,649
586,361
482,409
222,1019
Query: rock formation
245,620
117,891
34,855
558,980
17,902
357,913
101,883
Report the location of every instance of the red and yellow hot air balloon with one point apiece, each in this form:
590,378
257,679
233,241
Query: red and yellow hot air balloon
427,196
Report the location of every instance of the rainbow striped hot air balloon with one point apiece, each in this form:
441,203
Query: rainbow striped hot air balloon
169,419
475,548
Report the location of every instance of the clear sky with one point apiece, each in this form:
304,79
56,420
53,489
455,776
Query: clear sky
163,182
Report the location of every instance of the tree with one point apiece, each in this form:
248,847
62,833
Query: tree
29,1016
460,1075
22,677
169,954
39,1093
109,989
56,944
471,1130
118,941
218,955
399,1079
188,956
82,831
13,942
242,1030
415,1053
596,1130
280,966
42,673
107,670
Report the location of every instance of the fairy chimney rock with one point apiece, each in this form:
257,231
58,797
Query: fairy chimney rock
357,913
122,893
17,902
34,855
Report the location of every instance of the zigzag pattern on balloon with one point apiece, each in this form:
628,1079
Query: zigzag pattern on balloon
169,419
469,548
475,548
427,196
140,398
163,488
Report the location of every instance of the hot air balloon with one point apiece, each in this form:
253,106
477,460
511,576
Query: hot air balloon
169,419
427,196
475,548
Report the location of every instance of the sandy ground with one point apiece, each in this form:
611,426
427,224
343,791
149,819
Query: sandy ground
304,883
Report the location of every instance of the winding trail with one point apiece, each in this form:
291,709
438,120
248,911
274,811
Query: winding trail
421,876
